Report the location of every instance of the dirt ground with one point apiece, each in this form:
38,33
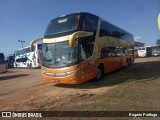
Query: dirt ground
133,88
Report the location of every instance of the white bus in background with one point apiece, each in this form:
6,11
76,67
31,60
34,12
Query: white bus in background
3,64
155,50
24,58
142,52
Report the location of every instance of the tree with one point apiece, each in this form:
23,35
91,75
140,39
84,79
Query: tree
158,42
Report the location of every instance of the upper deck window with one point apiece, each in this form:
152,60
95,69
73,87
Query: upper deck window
69,24
89,23
62,25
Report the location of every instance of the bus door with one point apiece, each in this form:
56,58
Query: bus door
85,46
87,70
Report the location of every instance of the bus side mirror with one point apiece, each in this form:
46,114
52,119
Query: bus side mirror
77,35
71,42
33,41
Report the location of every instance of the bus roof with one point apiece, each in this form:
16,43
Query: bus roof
95,16
28,47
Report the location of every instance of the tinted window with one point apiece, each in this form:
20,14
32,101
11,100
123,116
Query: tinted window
62,26
39,46
107,29
1,56
107,52
89,22
86,45
2,60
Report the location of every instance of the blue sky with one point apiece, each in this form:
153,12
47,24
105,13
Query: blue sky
27,19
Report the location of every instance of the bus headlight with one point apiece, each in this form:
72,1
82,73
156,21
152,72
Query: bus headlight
43,71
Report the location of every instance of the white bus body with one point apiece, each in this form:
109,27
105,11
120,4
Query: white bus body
156,51
142,52
25,58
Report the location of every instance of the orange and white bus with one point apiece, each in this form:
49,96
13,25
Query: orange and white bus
82,46
3,64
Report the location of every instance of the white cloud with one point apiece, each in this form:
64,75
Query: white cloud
137,38
136,21
133,22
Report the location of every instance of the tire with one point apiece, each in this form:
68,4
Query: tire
30,66
27,65
127,63
130,62
99,73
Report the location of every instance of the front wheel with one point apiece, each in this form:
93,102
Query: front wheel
99,73
128,63
28,65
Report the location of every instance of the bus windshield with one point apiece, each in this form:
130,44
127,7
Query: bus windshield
57,55
63,25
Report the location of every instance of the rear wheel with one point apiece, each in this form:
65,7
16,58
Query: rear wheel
30,66
128,63
99,73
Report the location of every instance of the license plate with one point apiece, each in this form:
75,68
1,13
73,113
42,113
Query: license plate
55,81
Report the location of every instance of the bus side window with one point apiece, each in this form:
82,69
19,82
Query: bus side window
103,31
120,51
82,53
86,46
112,52
105,52
124,51
89,23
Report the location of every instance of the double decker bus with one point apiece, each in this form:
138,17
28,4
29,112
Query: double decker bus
82,46
3,64
24,58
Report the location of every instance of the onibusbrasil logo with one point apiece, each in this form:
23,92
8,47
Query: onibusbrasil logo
159,21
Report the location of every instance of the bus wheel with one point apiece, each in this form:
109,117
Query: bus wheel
99,73
128,62
27,65
30,66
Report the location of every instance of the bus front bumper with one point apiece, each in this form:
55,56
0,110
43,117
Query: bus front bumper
70,79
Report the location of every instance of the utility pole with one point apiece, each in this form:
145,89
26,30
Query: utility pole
21,41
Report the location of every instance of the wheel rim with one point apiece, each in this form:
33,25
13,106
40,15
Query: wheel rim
99,73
